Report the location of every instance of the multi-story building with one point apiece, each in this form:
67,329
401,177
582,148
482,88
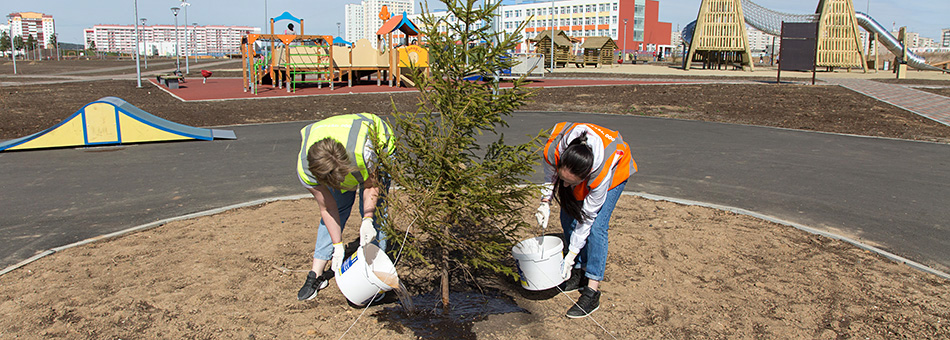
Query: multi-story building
912,38
354,22
632,24
945,38
366,16
926,45
761,43
40,26
161,39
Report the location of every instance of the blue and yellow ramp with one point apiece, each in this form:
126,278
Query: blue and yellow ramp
111,120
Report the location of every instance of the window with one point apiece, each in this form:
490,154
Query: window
615,7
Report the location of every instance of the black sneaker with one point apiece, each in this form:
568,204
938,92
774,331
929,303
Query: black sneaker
586,304
313,285
577,280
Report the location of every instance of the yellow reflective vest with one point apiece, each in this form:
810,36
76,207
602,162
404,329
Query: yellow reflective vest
353,131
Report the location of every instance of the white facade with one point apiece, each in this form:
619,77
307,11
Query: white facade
945,38
603,14
362,20
761,43
160,39
40,26
354,23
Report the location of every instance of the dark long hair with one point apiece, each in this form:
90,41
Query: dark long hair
578,159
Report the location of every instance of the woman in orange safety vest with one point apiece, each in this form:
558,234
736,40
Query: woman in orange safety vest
588,166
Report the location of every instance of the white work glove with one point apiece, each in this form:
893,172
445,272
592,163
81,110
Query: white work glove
567,264
367,231
337,261
544,212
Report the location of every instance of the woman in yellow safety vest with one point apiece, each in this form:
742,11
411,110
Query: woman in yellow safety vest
337,160
588,166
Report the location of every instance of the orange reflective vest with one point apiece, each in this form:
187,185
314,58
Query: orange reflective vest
615,150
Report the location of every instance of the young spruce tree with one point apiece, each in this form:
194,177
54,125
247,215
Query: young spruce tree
460,203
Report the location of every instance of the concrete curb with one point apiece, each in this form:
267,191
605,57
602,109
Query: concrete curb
740,211
811,230
149,226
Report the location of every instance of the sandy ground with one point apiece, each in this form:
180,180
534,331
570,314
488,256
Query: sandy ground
675,272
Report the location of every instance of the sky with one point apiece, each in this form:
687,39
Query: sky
926,17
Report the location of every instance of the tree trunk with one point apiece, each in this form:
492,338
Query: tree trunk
445,279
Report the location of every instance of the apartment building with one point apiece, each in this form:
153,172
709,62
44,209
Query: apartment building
761,43
40,26
633,24
214,40
362,20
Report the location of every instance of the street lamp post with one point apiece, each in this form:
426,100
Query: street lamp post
623,55
185,4
177,47
12,49
138,57
552,36
144,44
194,32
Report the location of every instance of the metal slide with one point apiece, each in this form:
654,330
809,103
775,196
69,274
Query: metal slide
770,22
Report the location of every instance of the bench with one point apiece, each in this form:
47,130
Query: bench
169,80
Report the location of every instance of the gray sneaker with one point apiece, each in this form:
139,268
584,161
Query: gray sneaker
313,285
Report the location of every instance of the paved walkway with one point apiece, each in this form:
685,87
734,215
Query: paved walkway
813,179
77,76
923,103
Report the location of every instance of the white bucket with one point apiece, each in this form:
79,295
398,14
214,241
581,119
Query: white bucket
539,262
359,277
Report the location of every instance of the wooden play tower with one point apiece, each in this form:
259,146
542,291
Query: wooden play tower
720,36
839,40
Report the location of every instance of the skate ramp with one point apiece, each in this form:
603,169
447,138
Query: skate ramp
111,120
770,22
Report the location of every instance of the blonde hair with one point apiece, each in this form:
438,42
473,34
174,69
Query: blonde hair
329,163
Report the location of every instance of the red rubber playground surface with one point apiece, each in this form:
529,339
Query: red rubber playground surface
230,88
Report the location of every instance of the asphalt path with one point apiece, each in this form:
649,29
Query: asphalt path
887,193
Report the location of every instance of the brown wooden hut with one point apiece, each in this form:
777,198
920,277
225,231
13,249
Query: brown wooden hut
599,51
562,47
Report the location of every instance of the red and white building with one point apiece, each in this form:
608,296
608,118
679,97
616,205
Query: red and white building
633,24
40,26
161,39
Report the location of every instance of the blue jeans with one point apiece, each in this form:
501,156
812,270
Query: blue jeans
323,250
593,256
